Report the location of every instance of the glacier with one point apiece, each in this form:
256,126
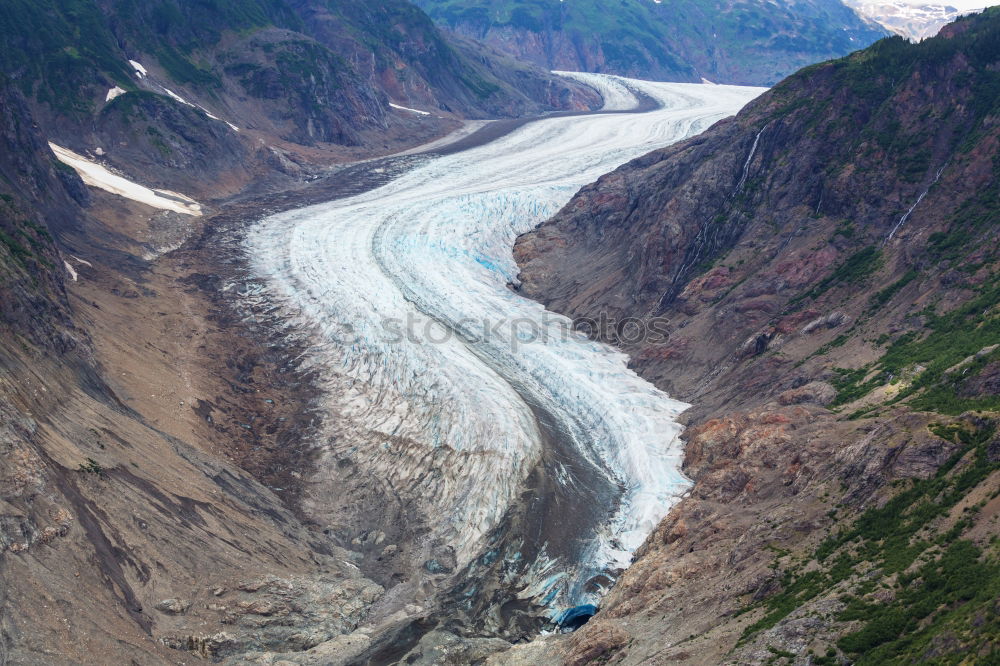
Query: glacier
448,388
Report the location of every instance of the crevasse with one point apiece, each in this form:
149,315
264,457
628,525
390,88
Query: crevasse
436,371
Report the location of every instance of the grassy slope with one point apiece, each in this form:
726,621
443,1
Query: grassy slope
941,586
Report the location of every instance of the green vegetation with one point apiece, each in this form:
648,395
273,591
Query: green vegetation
939,580
940,598
838,341
55,46
778,653
893,60
183,70
950,338
157,140
482,88
946,395
855,268
973,217
18,251
91,466
25,247
23,239
846,228
66,53
884,296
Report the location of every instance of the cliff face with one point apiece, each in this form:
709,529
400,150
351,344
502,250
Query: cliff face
727,42
827,263
35,192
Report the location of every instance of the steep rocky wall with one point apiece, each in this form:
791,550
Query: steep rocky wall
36,199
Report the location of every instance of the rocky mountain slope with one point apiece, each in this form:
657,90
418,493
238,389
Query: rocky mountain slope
119,503
745,42
826,265
213,94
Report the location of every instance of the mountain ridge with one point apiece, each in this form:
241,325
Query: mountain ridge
746,42
184,93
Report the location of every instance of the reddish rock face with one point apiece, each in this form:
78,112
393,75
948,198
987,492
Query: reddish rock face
819,393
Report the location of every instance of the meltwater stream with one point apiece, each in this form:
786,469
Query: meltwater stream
470,406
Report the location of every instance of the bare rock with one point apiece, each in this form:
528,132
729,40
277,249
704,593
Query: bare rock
443,648
173,606
602,639
820,393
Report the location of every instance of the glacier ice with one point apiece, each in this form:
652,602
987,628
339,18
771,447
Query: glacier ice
435,371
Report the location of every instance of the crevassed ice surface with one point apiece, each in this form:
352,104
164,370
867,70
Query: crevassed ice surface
436,370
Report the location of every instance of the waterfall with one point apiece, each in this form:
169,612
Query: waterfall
916,203
746,165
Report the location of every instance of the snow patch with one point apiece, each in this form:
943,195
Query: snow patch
114,93
141,72
181,99
406,108
70,269
96,175
200,108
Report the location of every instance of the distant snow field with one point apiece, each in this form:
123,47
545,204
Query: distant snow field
915,19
